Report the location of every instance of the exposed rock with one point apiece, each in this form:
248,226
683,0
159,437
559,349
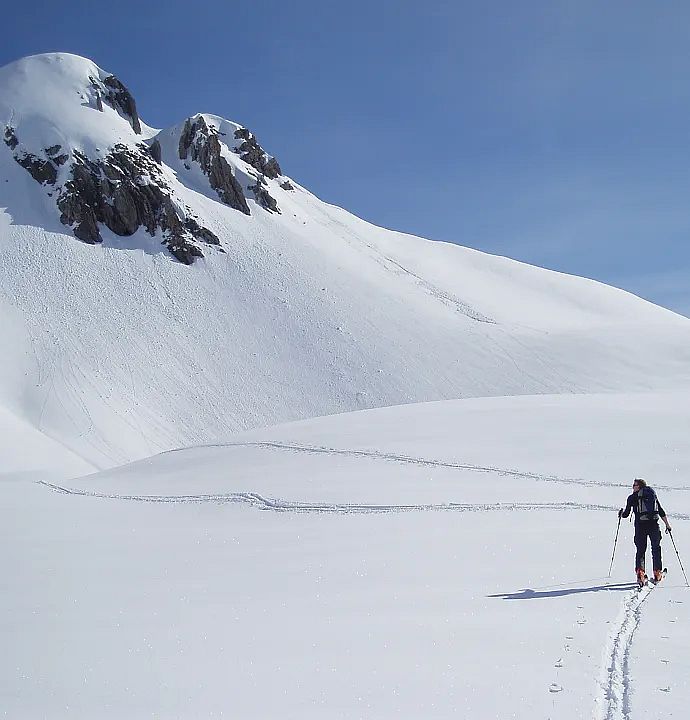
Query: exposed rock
253,154
187,136
200,141
263,197
155,151
287,185
118,97
125,191
204,233
10,138
53,151
42,170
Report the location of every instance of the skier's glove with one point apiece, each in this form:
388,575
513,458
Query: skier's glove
668,529
620,513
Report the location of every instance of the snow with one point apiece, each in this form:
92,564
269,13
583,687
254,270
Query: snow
172,548
285,574
306,313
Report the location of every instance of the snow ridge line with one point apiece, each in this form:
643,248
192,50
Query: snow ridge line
280,505
426,462
615,703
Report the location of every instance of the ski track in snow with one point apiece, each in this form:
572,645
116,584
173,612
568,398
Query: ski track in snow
280,505
393,457
615,703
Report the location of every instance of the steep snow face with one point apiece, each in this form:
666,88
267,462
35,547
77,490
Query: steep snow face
293,308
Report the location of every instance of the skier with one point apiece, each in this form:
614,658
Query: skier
645,505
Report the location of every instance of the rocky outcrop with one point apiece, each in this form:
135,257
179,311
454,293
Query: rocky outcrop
59,158
287,185
10,138
263,197
200,142
114,92
253,154
156,152
124,192
42,169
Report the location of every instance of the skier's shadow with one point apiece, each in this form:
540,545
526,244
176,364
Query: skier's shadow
528,594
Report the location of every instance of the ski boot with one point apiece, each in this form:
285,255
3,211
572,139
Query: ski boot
658,576
641,577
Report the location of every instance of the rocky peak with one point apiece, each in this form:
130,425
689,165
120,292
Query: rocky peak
200,141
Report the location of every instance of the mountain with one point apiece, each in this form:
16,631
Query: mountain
161,288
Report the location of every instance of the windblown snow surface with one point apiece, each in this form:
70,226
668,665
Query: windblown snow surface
437,560
422,560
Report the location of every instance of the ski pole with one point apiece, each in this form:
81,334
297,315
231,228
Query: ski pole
614,545
679,560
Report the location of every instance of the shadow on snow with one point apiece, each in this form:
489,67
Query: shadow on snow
528,594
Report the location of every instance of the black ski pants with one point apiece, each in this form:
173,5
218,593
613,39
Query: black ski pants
647,529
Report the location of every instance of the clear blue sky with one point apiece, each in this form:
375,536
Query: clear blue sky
553,132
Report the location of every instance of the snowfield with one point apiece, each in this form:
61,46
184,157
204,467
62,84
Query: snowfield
438,560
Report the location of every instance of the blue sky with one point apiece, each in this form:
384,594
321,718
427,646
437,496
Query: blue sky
557,133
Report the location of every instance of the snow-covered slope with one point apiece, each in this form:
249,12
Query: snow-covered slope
443,560
292,308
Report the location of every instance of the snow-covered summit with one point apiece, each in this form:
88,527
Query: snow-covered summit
53,99
280,307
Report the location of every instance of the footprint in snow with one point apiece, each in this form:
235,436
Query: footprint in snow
554,688
582,622
666,662
568,637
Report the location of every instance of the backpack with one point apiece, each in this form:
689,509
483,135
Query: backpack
647,506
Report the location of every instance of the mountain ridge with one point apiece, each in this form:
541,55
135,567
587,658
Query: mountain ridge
289,311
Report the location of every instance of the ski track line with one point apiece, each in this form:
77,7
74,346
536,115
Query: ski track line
615,702
279,505
426,462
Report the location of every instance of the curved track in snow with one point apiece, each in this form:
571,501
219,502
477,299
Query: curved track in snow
426,462
280,505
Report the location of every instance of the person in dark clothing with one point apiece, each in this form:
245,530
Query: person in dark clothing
647,510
